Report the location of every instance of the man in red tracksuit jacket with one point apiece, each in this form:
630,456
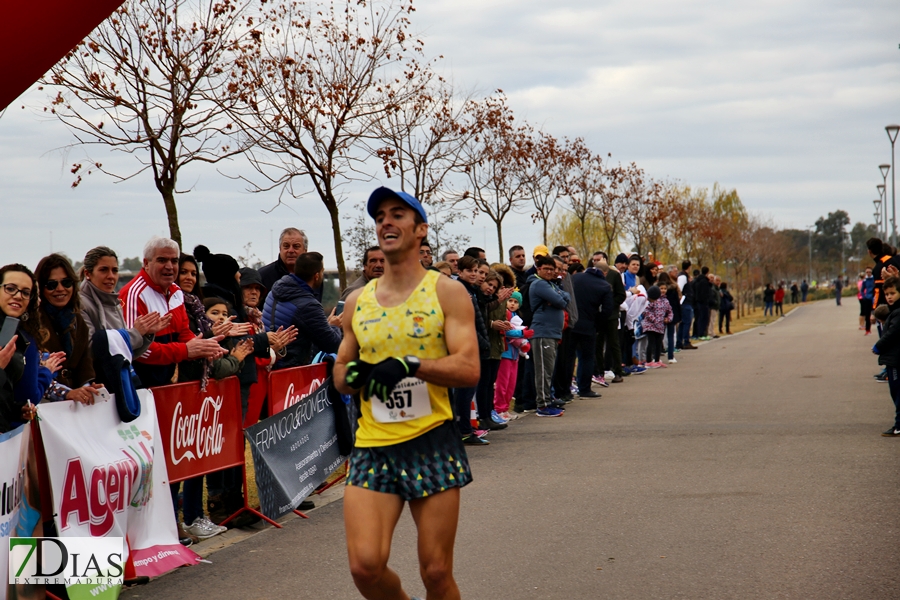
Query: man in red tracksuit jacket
154,290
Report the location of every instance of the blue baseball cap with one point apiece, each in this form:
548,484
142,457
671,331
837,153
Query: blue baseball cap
383,193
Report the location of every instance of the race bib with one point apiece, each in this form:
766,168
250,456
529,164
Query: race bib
408,401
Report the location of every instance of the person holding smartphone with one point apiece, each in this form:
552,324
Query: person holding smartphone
66,330
24,377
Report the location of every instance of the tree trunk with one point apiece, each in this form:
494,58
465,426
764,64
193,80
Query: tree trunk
544,219
500,239
172,214
338,241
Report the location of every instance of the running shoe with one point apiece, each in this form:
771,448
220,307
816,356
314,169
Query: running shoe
480,432
491,425
497,418
892,432
661,365
474,440
509,416
677,349
618,379
651,365
600,380
549,412
608,375
672,361
590,394
868,333
637,370
203,528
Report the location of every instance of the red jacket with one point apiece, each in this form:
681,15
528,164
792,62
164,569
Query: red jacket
779,295
140,297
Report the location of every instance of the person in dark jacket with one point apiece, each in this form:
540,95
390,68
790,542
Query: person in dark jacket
888,349
67,332
702,289
291,243
769,300
594,297
725,308
607,351
686,287
24,378
294,301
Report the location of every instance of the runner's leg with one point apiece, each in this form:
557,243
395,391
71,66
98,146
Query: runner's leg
369,521
436,519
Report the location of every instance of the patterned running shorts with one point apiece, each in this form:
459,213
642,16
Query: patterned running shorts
431,463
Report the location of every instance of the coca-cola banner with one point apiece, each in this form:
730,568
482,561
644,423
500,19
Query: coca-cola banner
107,480
287,387
201,431
295,450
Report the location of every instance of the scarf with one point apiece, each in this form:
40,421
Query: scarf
63,322
196,312
254,317
101,299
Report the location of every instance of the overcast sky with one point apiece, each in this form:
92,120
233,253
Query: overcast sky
785,101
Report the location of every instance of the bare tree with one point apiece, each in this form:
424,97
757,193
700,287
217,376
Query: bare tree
497,161
422,142
147,82
547,177
583,184
313,89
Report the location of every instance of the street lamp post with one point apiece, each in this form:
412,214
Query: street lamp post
884,168
877,204
809,229
883,202
892,131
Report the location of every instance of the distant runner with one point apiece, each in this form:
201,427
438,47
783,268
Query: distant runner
408,337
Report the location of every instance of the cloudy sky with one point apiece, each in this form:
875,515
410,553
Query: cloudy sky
785,101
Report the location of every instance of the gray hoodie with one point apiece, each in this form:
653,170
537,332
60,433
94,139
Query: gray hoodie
548,304
102,310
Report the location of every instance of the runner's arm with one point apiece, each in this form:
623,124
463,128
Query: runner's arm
349,349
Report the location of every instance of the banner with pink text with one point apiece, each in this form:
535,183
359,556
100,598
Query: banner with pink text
109,478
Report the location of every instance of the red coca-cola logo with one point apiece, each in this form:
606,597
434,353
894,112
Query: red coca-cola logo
194,436
291,398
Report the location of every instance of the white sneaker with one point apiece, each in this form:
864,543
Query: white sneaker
609,375
672,361
203,528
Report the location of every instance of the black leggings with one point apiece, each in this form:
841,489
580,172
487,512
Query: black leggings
654,346
865,310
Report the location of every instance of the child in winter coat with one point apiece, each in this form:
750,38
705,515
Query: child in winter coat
656,316
888,349
516,344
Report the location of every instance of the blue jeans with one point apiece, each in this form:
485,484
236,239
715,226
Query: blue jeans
684,328
191,498
768,310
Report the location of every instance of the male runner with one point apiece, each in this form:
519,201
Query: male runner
411,336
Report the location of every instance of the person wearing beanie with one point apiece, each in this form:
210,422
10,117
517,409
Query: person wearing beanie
222,277
656,316
515,344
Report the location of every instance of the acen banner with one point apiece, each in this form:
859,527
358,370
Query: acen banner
295,451
108,479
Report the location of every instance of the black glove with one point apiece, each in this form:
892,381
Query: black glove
387,374
357,374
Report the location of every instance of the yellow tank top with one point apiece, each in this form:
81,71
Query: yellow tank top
416,328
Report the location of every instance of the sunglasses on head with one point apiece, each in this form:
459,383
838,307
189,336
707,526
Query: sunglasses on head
52,283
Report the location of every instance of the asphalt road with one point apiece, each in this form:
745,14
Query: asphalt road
754,468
